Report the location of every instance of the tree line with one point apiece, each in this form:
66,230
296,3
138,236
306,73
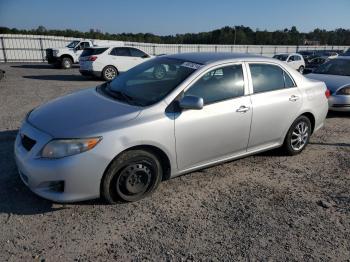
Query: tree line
240,35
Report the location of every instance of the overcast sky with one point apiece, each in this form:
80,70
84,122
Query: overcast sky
174,16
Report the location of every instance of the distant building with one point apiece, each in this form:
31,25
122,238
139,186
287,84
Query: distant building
311,42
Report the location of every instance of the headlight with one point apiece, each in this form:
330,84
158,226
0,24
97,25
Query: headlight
67,147
344,91
55,52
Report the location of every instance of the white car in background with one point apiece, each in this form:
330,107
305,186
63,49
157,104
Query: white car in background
296,61
108,61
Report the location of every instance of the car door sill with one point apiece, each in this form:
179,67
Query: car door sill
223,160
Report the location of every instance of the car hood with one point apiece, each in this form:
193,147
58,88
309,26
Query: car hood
81,114
333,82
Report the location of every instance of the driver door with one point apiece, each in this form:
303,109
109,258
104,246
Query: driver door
221,128
80,48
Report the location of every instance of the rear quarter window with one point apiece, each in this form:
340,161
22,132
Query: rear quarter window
93,51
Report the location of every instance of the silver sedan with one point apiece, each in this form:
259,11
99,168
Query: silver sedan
121,139
336,74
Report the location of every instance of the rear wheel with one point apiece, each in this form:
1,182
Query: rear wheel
159,72
66,63
301,69
131,177
298,136
109,73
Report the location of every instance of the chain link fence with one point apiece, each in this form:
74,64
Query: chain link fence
31,48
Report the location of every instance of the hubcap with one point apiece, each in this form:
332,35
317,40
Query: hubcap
300,136
110,73
134,179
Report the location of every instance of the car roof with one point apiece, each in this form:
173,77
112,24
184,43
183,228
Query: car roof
289,54
105,46
211,57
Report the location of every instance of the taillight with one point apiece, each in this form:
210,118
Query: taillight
92,58
328,93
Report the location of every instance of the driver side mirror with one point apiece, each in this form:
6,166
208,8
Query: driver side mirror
191,102
145,56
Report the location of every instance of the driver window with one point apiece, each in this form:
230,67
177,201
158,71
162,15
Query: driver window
219,84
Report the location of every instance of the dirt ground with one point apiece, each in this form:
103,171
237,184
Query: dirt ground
261,208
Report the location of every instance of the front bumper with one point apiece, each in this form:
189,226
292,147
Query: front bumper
339,103
53,60
68,179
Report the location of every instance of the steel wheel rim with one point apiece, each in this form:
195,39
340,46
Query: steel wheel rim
301,69
110,73
299,136
134,180
66,63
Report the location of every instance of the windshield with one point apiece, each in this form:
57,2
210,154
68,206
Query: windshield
281,57
150,81
73,44
335,67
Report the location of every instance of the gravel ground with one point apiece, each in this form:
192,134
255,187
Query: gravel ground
261,208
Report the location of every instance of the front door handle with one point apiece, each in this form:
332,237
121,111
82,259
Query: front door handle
242,109
294,98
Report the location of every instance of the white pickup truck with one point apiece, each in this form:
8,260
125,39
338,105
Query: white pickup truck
66,56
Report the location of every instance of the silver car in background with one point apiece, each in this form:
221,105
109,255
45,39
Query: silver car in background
336,74
121,139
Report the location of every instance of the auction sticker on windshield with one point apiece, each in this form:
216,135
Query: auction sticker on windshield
191,65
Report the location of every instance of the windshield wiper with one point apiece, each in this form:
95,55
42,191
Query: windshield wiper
119,95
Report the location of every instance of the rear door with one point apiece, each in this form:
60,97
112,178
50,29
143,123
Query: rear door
276,102
121,58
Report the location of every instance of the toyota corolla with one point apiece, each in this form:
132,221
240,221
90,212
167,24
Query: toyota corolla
121,139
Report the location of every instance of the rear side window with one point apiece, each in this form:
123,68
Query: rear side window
219,84
137,53
93,51
121,51
267,77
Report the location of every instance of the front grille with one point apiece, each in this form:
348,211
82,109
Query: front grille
27,142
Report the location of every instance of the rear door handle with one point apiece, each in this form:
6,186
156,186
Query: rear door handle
242,109
294,98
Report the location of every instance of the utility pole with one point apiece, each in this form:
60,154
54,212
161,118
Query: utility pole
234,41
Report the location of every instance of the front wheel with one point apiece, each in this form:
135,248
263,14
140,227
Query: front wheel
301,69
132,176
298,136
66,63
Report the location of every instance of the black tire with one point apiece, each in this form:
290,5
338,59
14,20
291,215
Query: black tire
295,143
301,69
66,63
132,176
109,73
